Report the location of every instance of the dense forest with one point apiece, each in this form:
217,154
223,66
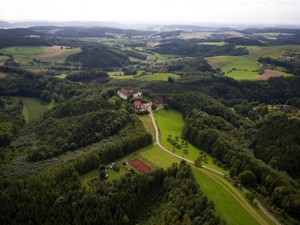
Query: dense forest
124,201
100,57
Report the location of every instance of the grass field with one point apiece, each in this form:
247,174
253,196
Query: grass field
246,65
24,55
3,75
146,119
230,204
34,108
156,57
61,76
127,77
170,122
158,76
243,75
2,59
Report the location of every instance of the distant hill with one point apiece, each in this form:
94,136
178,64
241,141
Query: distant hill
100,57
4,24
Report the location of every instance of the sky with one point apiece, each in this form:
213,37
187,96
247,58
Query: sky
154,11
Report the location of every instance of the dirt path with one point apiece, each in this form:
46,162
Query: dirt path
229,188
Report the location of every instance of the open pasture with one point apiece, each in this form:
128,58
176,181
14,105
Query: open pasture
170,122
2,59
28,56
33,108
245,67
158,76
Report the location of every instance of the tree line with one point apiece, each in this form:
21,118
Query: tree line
224,136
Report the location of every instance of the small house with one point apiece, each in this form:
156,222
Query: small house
129,91
137,105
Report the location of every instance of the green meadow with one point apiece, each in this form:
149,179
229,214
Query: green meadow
245,67
170,122
158,76
23,54
34,108
2,59
61,76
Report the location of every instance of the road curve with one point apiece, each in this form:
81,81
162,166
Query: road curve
157,141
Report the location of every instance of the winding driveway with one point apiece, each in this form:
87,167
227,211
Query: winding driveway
259,205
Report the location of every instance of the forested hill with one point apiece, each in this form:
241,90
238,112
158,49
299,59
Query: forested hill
100,57
216,129
277,142
22,37
174,192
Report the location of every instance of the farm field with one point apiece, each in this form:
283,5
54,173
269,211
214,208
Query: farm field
170,122
243,75
156,57
158,76
24,55
155,76
2,75
2,59
272,73
230,205
61,76
34,108
247,65
123,77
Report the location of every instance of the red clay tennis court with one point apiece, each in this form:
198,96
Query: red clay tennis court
139,165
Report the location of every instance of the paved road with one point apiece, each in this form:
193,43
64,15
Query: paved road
259,205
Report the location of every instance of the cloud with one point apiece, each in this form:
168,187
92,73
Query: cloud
197,11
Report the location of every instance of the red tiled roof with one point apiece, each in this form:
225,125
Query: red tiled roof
137,103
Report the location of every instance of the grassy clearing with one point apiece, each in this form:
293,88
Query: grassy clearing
2,59
151,155
24,55
230,205
127,77
247,64
3,75
158,76
115,73
61,76
243,75
156,57
146,119
192,35
221,43
34,108
170,122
